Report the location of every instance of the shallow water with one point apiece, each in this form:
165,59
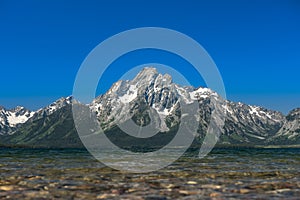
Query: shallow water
223,174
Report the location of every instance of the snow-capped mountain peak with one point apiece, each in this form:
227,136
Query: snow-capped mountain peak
156,92
61,102
146,75
148,90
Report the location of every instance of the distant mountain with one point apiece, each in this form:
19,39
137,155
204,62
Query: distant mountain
51,126
149,92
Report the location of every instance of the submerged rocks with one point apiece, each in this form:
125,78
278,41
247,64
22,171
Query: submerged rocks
222,175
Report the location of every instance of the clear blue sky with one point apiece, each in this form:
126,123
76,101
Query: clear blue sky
255,44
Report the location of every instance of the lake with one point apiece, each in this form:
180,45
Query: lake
224,173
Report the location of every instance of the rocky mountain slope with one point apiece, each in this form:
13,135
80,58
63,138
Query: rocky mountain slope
290,131
150,98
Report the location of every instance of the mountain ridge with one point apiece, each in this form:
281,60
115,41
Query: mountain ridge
152,92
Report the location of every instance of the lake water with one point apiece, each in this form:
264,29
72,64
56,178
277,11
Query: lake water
222,174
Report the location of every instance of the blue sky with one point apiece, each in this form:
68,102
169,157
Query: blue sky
255,44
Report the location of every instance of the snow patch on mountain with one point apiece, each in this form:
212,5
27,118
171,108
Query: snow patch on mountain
130,95
15,118
11,119
200,93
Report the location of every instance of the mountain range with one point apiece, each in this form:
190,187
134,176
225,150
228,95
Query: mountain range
149,93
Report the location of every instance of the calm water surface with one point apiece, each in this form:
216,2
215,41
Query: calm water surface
223,174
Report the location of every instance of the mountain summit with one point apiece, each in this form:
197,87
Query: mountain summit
150,97
148,91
